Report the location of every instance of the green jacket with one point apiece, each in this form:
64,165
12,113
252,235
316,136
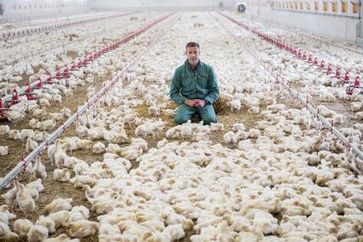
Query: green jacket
201,84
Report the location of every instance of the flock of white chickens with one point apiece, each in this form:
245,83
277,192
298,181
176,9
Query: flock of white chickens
284,179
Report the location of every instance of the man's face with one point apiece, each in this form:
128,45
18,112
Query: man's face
193,55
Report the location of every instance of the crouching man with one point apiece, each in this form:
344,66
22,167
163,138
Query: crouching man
195,88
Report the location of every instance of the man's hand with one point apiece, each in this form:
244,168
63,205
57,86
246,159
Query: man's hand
199,103
190,102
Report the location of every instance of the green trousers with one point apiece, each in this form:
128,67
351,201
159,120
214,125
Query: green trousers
185,113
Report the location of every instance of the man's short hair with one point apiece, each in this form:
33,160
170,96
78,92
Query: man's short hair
192,44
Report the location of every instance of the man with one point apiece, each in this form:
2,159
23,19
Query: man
194,87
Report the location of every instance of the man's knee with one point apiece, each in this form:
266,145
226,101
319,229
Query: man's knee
183,114
209,119
208,115
180,119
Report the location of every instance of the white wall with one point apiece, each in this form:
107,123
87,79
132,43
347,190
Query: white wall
205,4
337,27
29,8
